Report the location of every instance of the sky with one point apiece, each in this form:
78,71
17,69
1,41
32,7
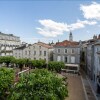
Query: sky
47,20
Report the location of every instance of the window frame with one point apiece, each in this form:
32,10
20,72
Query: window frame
65,50
58,50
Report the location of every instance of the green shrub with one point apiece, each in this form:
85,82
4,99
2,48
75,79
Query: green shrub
40,85
38,63
55,66
6,82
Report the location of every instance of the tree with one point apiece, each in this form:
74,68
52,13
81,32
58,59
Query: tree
39,63
28,63
6,59
40,85
56,66
6,82
21,63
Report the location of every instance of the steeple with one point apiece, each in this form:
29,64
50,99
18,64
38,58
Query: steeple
52,42
70,36
94,37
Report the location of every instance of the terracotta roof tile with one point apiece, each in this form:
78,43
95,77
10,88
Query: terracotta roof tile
45,45
67,43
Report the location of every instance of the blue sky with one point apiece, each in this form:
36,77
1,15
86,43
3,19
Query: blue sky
47,20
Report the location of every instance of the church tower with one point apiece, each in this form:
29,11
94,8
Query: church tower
70,36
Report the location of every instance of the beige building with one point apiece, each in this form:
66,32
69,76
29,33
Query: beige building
38,51
35,51
7,43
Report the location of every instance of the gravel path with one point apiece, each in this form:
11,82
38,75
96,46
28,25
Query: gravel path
75,88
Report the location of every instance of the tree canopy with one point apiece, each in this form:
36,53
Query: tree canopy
6,82
56,66
41,84
38,63
6,59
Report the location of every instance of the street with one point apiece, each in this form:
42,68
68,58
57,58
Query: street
75,88
79,88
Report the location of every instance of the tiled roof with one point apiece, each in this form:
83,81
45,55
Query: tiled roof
67,43
44,45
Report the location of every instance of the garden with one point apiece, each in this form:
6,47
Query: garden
41,82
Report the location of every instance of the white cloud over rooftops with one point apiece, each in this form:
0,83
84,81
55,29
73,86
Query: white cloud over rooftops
51,28
91,11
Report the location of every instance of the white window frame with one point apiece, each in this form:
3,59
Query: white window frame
58,58
71,59
72,50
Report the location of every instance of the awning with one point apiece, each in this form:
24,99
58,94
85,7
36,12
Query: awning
73,65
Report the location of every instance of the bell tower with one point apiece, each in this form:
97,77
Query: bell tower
70,36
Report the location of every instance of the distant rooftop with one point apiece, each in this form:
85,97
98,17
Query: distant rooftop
8,34
44,45
66,43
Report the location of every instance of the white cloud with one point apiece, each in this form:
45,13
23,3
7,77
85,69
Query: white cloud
91,11
81,24
51,28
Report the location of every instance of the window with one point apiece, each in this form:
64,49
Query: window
97,49
66,50
72,50
29,53
40,52
58,50
34,58
44,53
25,52
99,60
59,58
66,60
72,59
34,52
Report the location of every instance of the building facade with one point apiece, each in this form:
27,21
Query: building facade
7,43
35,51
38,51
19,52
92,63
67,52
96,60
